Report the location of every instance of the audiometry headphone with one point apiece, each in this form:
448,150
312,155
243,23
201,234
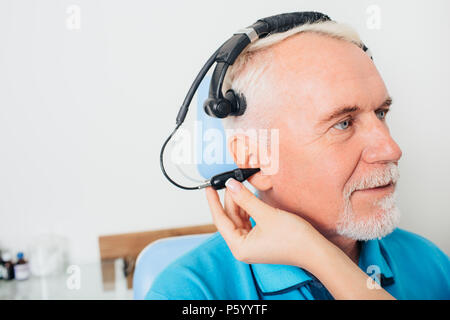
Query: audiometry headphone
233,104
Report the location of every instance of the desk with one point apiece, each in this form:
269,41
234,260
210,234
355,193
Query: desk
56,287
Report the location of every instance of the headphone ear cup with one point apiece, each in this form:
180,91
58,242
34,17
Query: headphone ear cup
233,104
208,106
220,108
237,101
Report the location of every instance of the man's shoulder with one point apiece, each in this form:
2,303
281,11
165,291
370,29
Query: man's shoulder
401,239
212,251
409,248
415,261
196,273
209,255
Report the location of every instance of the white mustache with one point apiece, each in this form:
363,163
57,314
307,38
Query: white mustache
377,178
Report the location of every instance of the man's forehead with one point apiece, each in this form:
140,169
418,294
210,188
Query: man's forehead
312,51
319,97
329,73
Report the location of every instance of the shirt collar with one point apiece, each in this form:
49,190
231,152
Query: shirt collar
374,259
276,279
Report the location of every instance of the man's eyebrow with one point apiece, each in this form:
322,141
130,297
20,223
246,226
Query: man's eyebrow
349,109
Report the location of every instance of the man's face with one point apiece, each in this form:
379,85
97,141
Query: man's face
323,159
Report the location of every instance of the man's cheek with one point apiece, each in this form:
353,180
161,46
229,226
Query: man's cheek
269,153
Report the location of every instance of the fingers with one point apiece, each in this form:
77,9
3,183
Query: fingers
247,200
238,215
224,224
233,211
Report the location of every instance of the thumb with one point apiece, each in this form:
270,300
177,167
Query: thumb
254,207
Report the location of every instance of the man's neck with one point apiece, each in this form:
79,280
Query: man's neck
351,248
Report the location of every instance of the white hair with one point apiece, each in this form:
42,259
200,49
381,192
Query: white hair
248,74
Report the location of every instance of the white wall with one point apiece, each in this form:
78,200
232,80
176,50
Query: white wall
83,112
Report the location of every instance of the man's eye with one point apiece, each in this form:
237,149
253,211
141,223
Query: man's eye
381,114
343,125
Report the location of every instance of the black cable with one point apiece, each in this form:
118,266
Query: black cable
161,162
182,115
187,100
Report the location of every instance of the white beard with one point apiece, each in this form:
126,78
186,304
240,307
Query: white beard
382,222
378,225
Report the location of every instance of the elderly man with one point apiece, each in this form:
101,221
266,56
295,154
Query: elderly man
324,224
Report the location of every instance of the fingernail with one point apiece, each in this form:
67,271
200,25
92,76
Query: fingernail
233,185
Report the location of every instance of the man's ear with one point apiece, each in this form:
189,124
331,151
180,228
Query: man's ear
244,152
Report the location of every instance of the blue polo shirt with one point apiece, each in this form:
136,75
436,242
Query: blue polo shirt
407,265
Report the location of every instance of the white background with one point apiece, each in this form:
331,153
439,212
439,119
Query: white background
83,112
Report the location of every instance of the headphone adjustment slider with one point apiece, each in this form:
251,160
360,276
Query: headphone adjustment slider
250,32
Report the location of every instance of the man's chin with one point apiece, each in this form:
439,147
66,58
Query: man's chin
367,227
368,230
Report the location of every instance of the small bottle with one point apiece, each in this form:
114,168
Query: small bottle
8,271
21,268
1,266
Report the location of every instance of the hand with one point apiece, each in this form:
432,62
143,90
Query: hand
281,237
278,237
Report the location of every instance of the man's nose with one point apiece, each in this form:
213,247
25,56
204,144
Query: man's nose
380,146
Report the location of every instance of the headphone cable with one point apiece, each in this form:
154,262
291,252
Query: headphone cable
161,162
182,115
